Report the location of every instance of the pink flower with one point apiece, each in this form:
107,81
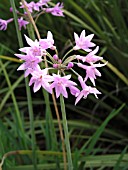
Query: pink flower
74,90
4,23
91,71
34,48
11,9
61,83
47,43
40,78
36,6
22,23
84,42
40,4
56,10
43,3
29,6
30,64
86,90
91,57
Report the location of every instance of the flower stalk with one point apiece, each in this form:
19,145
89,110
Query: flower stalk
29,98
66,133
53,96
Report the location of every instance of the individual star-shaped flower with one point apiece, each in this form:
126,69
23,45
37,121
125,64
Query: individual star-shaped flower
40,78
83,42
41,3
90,57
22,23
61,83
29,6
34,48
91,71
56,10
86,90
30,64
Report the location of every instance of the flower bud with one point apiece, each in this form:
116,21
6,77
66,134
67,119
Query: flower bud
55,65
55,57
70,65
11,9
59,61
53,47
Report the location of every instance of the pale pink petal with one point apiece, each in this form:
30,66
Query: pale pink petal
89,37
95,92
76,37
68,76
58,92
24,49
29,41
95,50
78,98
92,80
99,65
27,72
79,57
81,82
49,35
97,73
74,90
22,67
64,92
32,80
37,86
82,36
47,87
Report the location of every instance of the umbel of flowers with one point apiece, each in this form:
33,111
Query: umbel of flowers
57,76
36,9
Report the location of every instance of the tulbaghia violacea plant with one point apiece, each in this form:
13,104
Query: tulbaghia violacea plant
59,77
52,73
36,9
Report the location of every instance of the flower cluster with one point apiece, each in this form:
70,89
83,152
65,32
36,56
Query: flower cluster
36,9
42,5
55,75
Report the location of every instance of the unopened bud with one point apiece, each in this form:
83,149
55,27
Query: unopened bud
59,61
55,65
70,65
55,57
11,9
53,48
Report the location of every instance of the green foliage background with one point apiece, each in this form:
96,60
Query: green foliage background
98,128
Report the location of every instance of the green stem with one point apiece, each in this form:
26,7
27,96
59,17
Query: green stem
31,31
16,23
20,125
67,54
29,98
30,106
10,59
117,72
66,133
74,72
